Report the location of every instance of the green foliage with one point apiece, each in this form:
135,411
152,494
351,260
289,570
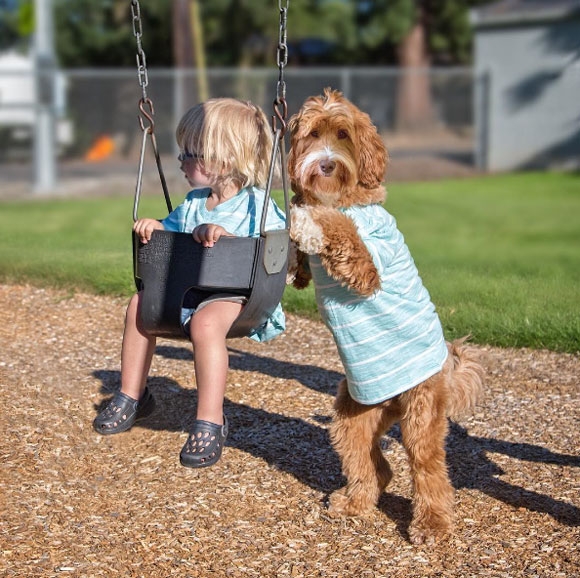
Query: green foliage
387,21
499,254
384,23
236,32
234,28
12,28
100,32
25,18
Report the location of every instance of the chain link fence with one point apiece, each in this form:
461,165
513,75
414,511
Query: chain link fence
97,129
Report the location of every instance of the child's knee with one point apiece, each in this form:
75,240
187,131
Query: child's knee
133,307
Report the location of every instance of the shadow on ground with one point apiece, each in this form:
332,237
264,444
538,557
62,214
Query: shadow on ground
303,449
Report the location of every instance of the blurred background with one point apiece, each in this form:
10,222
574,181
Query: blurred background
455,87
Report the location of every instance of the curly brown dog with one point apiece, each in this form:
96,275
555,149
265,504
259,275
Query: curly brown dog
398,366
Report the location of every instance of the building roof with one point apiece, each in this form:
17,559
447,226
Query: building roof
514,12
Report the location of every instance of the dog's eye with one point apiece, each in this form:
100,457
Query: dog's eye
314,134
342,134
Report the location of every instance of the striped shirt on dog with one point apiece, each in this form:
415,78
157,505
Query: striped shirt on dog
393,340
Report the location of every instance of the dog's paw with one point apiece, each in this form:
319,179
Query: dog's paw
368,284
341,504
426,536
305,232
298,273
292,263
429,531
302,279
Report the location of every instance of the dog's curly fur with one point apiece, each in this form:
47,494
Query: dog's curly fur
336,160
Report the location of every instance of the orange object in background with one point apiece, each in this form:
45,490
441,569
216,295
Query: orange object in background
103,148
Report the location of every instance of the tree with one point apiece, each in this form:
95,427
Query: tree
100,33
422,32
245,32
15,22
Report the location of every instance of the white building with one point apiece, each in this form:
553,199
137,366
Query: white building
527,66
18,94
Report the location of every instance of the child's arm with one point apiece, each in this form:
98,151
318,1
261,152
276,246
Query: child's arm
208,233
145,227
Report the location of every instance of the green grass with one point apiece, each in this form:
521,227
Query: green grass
500,255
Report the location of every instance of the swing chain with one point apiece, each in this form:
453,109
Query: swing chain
280,105
141,59
147,115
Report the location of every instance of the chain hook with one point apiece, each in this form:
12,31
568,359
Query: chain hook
147,114
280,115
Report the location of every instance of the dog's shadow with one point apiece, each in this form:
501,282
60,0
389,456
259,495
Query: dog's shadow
303,449
471,468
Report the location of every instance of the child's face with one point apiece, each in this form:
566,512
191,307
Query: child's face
195,172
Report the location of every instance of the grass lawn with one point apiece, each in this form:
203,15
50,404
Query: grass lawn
500,255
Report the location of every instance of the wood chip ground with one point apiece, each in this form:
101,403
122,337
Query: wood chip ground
77,504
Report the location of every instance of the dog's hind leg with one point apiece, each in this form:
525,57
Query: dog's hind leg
355,433
424,429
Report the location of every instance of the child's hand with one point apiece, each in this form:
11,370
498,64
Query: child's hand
144,228
208,234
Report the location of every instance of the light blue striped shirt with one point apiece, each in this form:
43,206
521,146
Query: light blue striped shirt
393,340
239,216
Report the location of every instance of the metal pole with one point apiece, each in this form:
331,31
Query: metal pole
44,68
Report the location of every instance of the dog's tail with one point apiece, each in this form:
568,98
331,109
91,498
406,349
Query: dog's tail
466,378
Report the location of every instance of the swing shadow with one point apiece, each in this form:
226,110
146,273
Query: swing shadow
303,449
288,444
311,376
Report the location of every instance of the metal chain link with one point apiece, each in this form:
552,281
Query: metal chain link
282,52
147,115
141,59
147,111
280,105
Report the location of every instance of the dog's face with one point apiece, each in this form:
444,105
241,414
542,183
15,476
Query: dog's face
336,156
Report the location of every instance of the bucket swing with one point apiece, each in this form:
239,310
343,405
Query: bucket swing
171,264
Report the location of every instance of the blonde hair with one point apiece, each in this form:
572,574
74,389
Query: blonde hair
232,136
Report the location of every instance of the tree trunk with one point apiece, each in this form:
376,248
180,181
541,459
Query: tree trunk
188,52
414,105
182,42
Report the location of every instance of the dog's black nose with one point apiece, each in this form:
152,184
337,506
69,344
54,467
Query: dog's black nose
327,166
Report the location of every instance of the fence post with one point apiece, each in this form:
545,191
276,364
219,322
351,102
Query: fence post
44,73
345,81
482,119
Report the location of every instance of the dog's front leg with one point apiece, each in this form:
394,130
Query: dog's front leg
298,273
334,238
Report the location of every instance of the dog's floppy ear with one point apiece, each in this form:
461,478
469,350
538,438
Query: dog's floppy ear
373,154
293,124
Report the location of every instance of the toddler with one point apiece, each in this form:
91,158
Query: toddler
225,153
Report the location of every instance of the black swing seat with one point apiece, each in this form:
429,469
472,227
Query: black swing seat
171,264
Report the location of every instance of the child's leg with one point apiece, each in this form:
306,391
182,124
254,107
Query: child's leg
137,351
208,330
133,402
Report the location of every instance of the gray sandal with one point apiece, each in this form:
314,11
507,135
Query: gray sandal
204,445
122,412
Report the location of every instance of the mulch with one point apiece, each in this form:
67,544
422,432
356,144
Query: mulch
73,503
